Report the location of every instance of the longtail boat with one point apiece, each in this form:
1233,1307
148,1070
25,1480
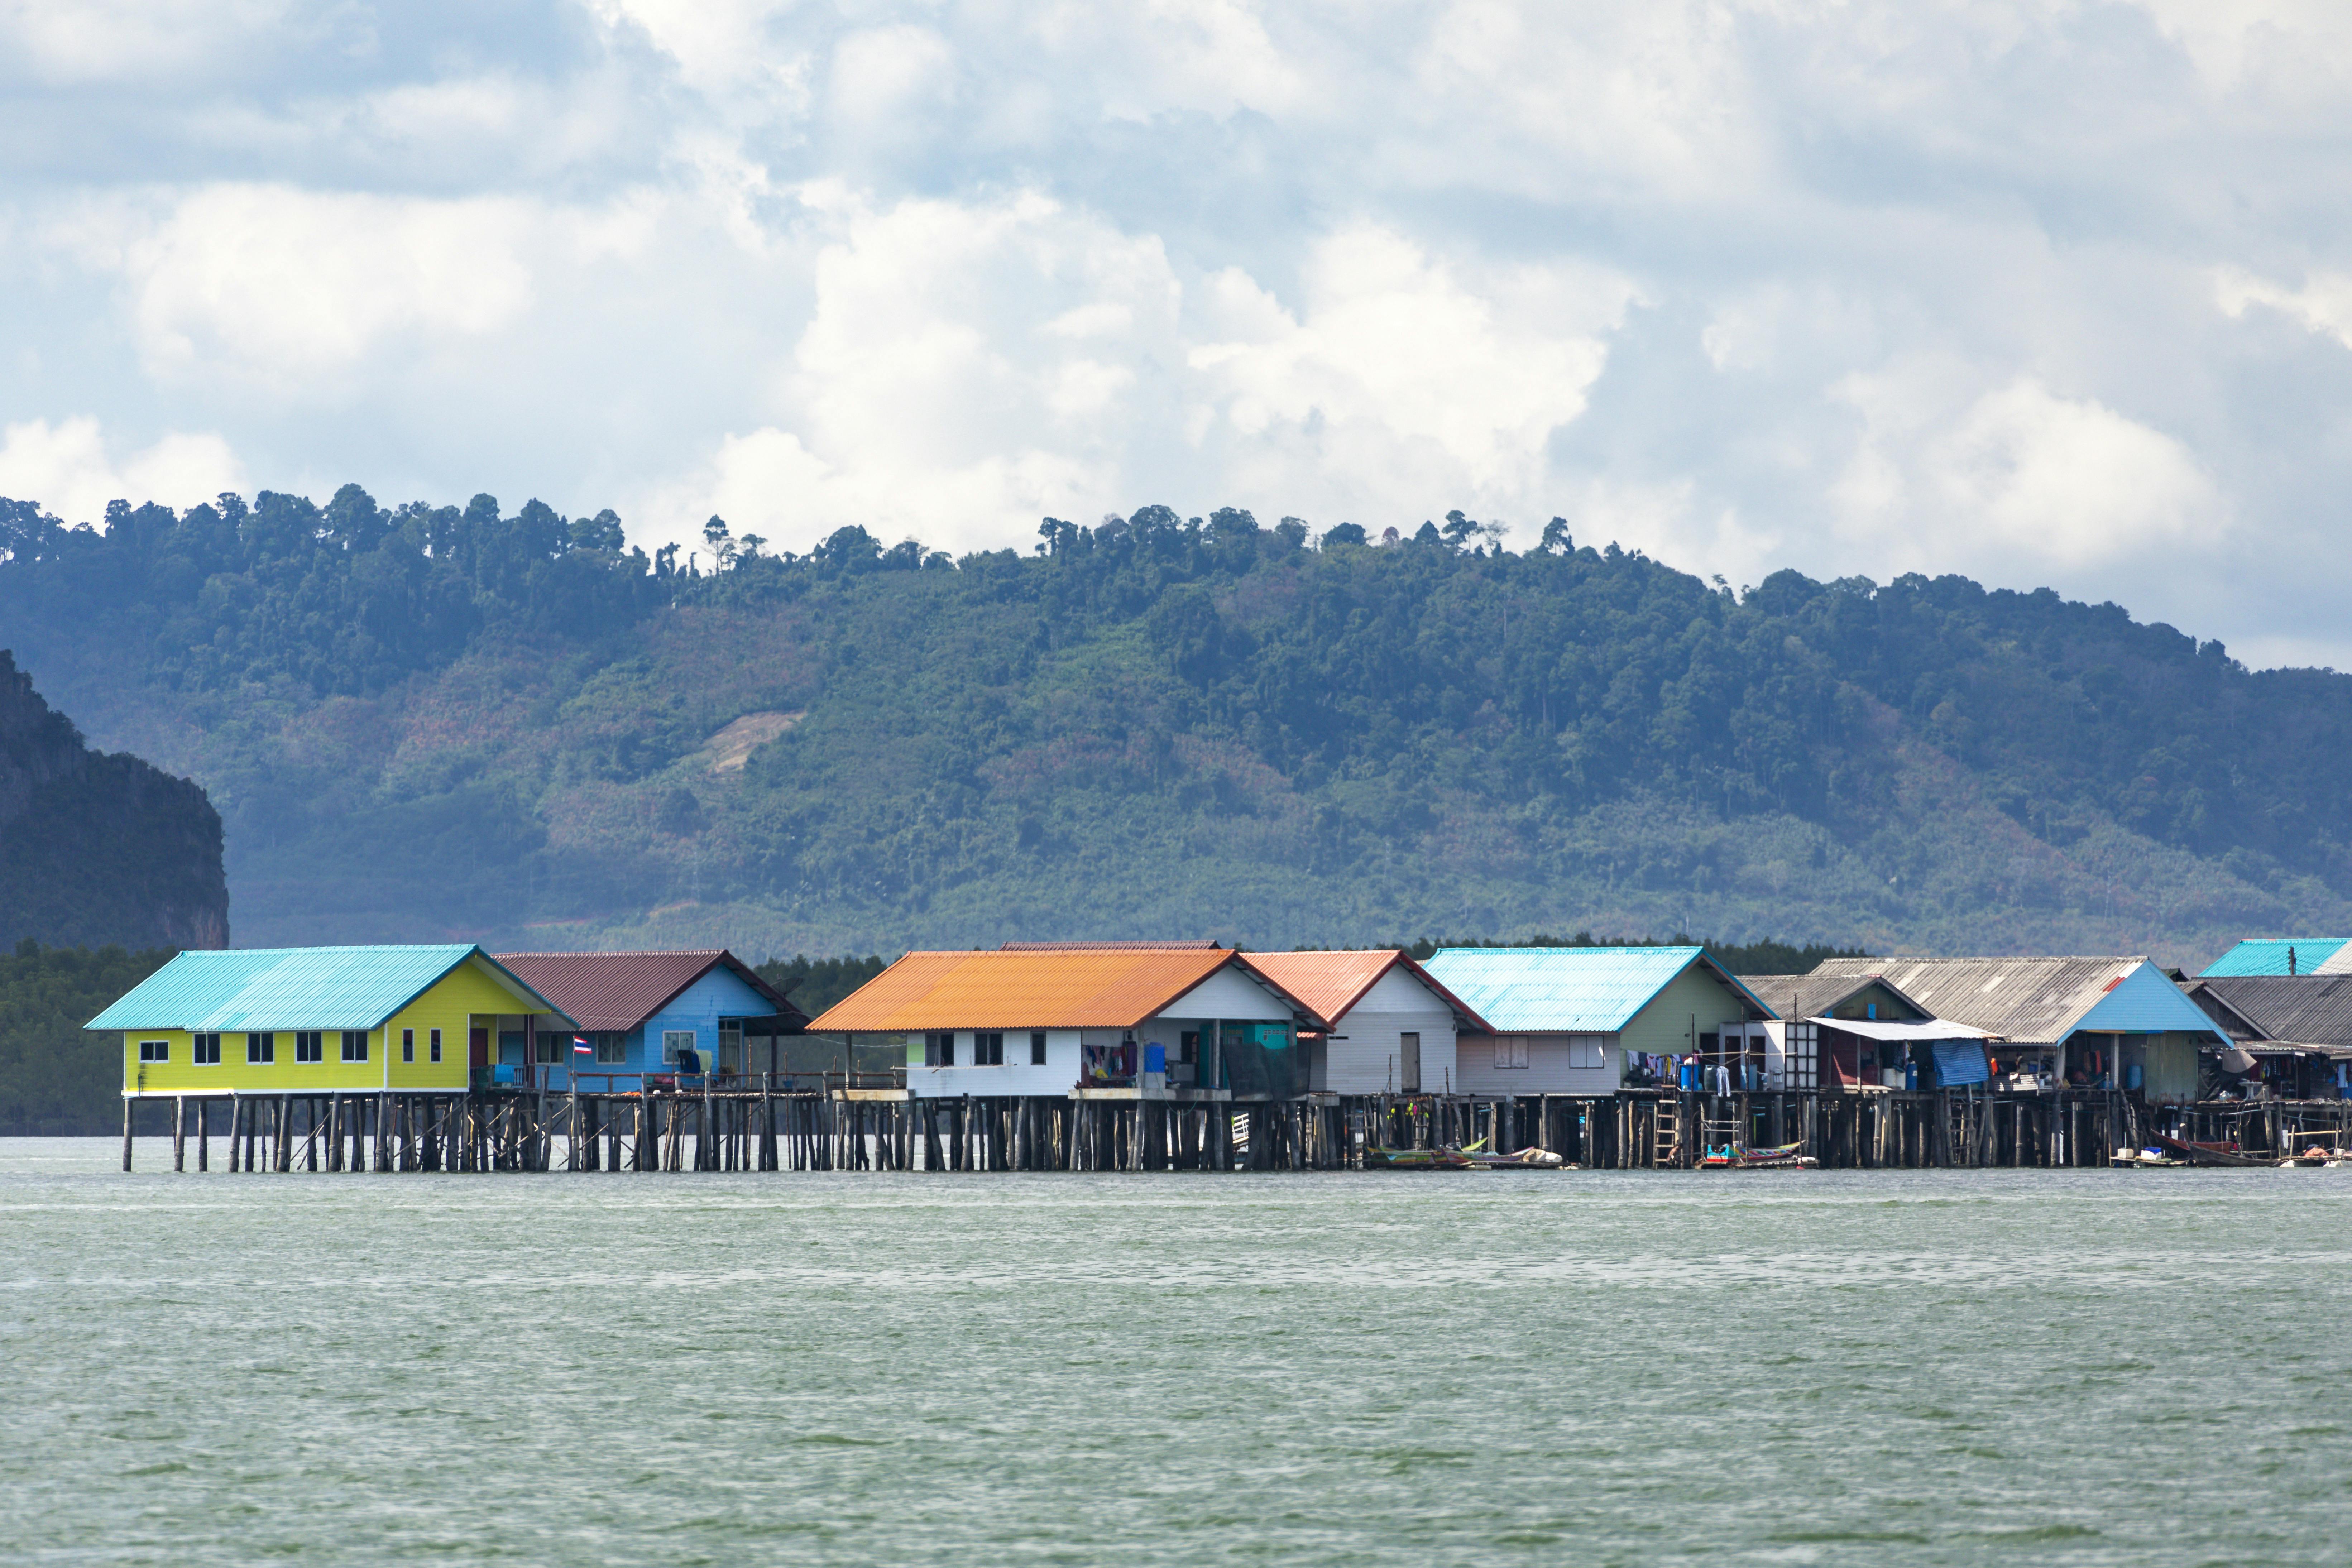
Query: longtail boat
2214,1153
1736,1157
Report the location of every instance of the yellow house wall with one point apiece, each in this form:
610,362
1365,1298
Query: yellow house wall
1693,1004
449,1005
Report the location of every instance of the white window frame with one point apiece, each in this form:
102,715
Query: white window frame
938,1050
260,1047
154,1051
611,1047
434,1037
988,1048
1510,1052
674,1040
1036,1047
360,1037
203,1049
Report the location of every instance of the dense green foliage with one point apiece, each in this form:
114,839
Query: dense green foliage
98,848
815,984
54,1076
435,721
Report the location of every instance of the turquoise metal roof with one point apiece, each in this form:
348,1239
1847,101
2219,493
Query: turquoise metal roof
293,988
1563,990
2267,955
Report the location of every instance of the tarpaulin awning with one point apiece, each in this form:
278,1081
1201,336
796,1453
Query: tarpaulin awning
1932,1029
1960,1062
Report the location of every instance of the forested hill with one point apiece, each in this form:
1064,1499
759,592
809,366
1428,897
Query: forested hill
97,849
431,723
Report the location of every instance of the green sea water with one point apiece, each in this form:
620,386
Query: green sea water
2095,1367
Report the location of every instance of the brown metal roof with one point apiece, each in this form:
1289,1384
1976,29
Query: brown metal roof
1056,988
622,990
1330,983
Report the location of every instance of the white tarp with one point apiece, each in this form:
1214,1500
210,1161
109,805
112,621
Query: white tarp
1932,1029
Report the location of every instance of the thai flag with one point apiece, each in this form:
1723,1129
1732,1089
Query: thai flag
580,1045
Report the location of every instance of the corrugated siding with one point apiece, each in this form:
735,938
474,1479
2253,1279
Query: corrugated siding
610,990
1330,983
2315,1009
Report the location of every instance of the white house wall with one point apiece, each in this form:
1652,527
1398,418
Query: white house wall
1015,1077
1229,993
1365,1050
1557,1064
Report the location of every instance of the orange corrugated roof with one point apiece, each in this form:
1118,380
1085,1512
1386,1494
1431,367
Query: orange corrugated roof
1331,982
1068,988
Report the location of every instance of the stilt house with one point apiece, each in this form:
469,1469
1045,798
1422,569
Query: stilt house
1392,1026
1590,1020
1101,1020
2295,1032
1856,1031
303,1020
640,1013
2061,1021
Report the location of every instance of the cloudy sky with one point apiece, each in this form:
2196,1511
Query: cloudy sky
2041,291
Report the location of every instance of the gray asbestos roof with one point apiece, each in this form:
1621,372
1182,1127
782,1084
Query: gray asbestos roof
2030,1000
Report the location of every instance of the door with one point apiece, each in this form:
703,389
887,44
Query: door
477,1047
1409,1063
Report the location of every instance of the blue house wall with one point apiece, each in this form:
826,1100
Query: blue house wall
719,994
2145,1002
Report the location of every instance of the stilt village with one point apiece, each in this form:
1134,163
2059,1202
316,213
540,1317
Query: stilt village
1154,1057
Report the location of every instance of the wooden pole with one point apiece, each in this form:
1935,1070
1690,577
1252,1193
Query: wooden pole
127,1103
179,1133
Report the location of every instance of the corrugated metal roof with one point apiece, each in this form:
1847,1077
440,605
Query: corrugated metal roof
1563,990
2302,1009
269,988
621,990
2034,1001
2267,955
1810,995
1051,988
1330,983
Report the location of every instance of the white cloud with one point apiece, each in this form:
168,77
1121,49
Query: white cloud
68,468
2017,472
87,41
290,289
2323,305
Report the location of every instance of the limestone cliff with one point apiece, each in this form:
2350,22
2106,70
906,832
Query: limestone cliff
98,849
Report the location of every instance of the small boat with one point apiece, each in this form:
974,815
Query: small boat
2147,1159
1417,1160
2213,1154
1528,1159
1735,1157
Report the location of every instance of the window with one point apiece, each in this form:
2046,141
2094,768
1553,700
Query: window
547,1049
261,1048
1037,1050
939,1050
988,1051
306,1046
208,1051
612,1048
1510,1051
355,1045
433,1040
408,1045
675,1041
1188,1045
154,1050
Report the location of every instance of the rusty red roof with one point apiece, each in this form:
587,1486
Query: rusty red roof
622,990
1332,983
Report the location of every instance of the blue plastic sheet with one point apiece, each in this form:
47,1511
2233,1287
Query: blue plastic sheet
1960,1062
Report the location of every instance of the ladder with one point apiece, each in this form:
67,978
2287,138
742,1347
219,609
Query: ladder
1959,1138
1669,1148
